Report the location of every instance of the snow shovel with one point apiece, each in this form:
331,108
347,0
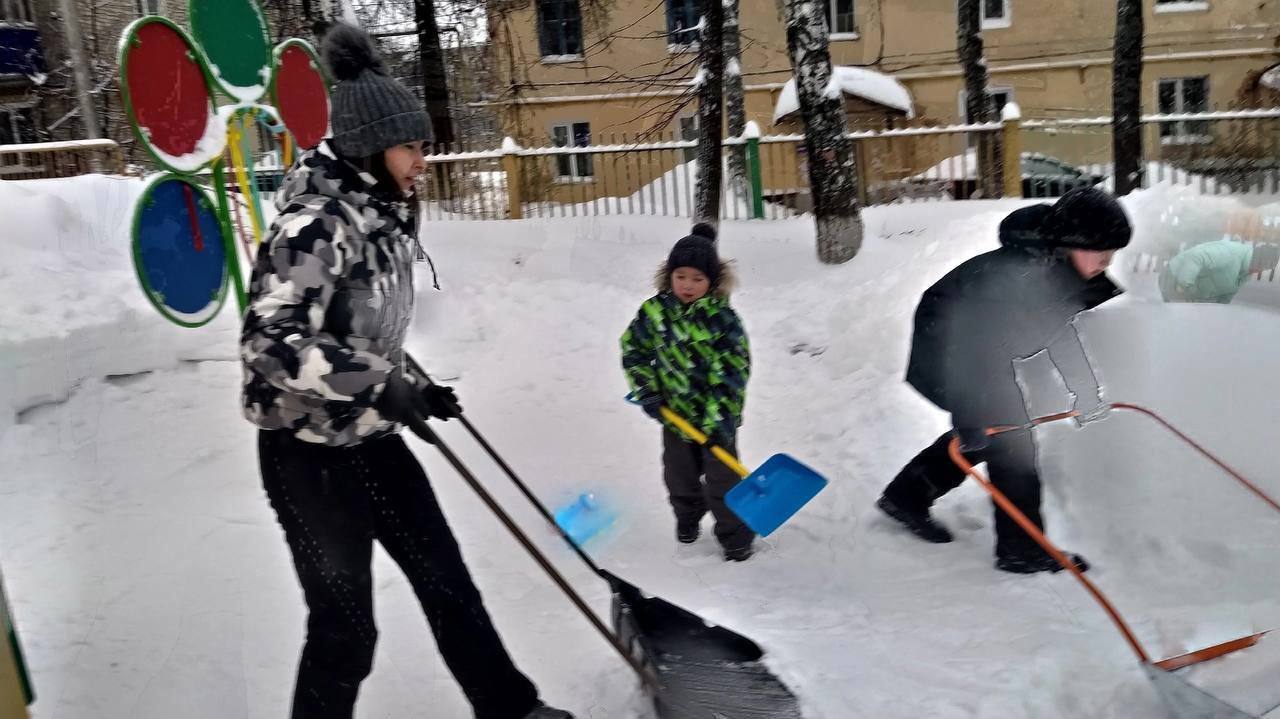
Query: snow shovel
767,497
693,669
1184,700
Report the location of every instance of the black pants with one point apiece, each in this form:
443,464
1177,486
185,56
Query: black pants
333,503
1011,461
685,465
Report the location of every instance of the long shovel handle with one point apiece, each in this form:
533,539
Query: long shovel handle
420,428
515,479
697,435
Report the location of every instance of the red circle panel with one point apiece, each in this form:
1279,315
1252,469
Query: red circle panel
167,88
302,98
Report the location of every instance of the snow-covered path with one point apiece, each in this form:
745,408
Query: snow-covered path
150,580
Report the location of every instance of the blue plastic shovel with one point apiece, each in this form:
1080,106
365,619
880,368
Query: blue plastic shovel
584,518
767,497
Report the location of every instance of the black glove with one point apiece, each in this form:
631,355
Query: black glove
440,402
652,406
400,401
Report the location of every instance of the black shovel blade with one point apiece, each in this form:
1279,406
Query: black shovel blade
705,671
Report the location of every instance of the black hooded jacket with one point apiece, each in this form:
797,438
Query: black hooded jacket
997,308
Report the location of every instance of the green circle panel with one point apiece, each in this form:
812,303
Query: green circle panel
234,38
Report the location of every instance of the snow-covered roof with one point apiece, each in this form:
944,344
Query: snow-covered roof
874,87
1271,78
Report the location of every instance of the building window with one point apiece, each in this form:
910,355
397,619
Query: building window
17,11
576,134
17,125
840,17
150,7
1183,95
560,28
1166,6
999,97
689,133
683,17
996,13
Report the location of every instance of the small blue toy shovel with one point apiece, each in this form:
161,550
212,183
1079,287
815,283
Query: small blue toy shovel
767,497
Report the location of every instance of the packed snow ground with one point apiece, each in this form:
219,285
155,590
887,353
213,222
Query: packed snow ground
149,578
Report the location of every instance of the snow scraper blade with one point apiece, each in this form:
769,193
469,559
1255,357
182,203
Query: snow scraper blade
704,671
767,497
1184,700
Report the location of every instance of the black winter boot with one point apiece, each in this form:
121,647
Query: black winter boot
739,554
921,524
688,532
542,711
1041,562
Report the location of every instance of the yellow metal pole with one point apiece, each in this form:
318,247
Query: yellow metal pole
693,433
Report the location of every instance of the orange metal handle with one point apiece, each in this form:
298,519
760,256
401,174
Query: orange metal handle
1034,532
1203,452
1173,663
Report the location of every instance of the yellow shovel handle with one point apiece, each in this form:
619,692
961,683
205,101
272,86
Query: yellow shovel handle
692,432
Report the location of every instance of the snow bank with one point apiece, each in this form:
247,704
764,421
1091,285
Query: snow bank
149,578
72,306
860,82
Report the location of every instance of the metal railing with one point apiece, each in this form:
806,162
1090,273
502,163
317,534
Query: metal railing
43,160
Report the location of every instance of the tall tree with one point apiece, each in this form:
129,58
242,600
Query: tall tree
734,96
435,85
710,79
832,174
978,104
1126,97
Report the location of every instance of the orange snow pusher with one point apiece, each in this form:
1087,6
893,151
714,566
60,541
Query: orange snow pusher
1185,701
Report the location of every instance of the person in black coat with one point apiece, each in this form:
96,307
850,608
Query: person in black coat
971,329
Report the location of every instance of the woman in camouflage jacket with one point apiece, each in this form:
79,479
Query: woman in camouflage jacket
322,347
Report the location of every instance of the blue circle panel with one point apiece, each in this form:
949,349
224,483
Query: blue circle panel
183,260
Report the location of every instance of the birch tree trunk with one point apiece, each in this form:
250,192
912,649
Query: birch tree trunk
832,174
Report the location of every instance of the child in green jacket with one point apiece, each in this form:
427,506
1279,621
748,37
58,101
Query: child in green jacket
686,349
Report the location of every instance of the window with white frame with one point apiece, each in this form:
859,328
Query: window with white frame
1183,95
996,13
689,132
18,124
150,7
840,18
573,134
683,17
17,11
998,97
1163,6
560,28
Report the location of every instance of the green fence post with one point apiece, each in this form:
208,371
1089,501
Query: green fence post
752,135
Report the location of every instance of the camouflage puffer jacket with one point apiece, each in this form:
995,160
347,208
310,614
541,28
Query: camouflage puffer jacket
329,304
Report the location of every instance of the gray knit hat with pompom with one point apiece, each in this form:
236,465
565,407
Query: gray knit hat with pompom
371,110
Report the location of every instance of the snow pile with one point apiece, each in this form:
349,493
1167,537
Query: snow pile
1271,78
149,578
72,306
874,87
